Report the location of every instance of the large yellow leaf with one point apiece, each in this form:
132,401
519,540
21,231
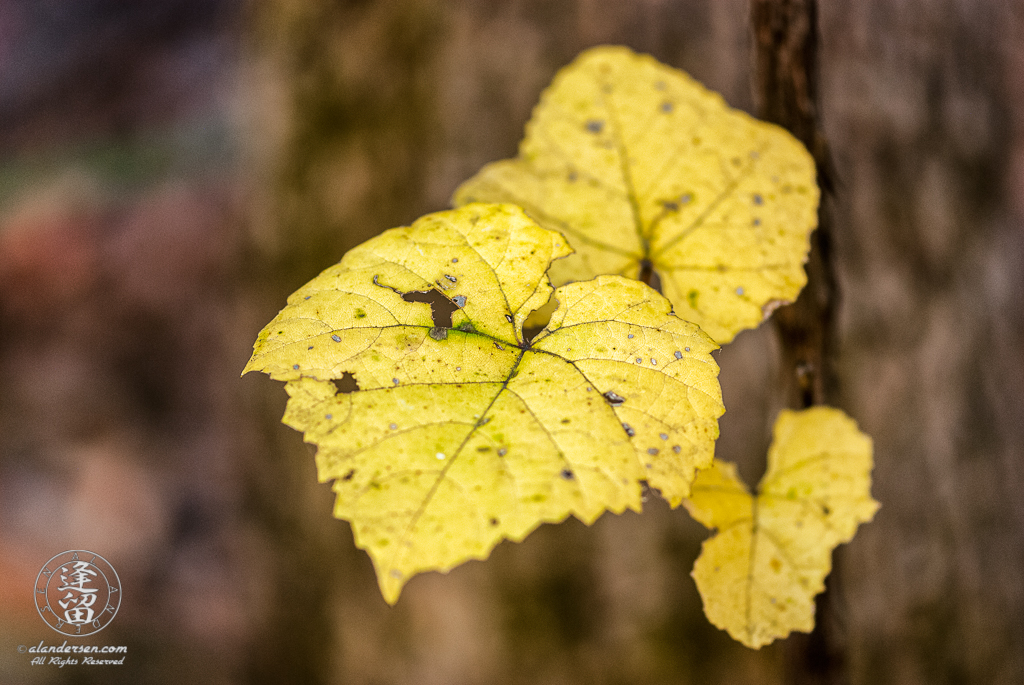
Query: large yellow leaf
444,430
760,572
640,167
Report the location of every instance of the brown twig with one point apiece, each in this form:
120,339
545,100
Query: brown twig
786,91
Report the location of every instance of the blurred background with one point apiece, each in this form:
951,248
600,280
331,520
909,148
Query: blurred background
171,170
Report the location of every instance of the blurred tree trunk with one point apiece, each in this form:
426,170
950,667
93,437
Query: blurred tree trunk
786,93
921,104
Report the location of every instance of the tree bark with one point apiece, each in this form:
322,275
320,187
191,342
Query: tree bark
786,93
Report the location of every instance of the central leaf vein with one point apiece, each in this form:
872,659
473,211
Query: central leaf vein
627,178
448,465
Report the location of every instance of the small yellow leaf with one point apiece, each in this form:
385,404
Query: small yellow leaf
641,167
445,430
760,572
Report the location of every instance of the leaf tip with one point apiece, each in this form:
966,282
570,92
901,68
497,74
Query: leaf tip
391,587
250,366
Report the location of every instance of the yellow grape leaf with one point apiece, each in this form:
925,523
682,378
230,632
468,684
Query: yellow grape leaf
445,430
642,168
760,572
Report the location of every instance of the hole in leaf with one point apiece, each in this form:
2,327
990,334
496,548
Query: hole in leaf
346,384
539,319
441,308
530,332
567,474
